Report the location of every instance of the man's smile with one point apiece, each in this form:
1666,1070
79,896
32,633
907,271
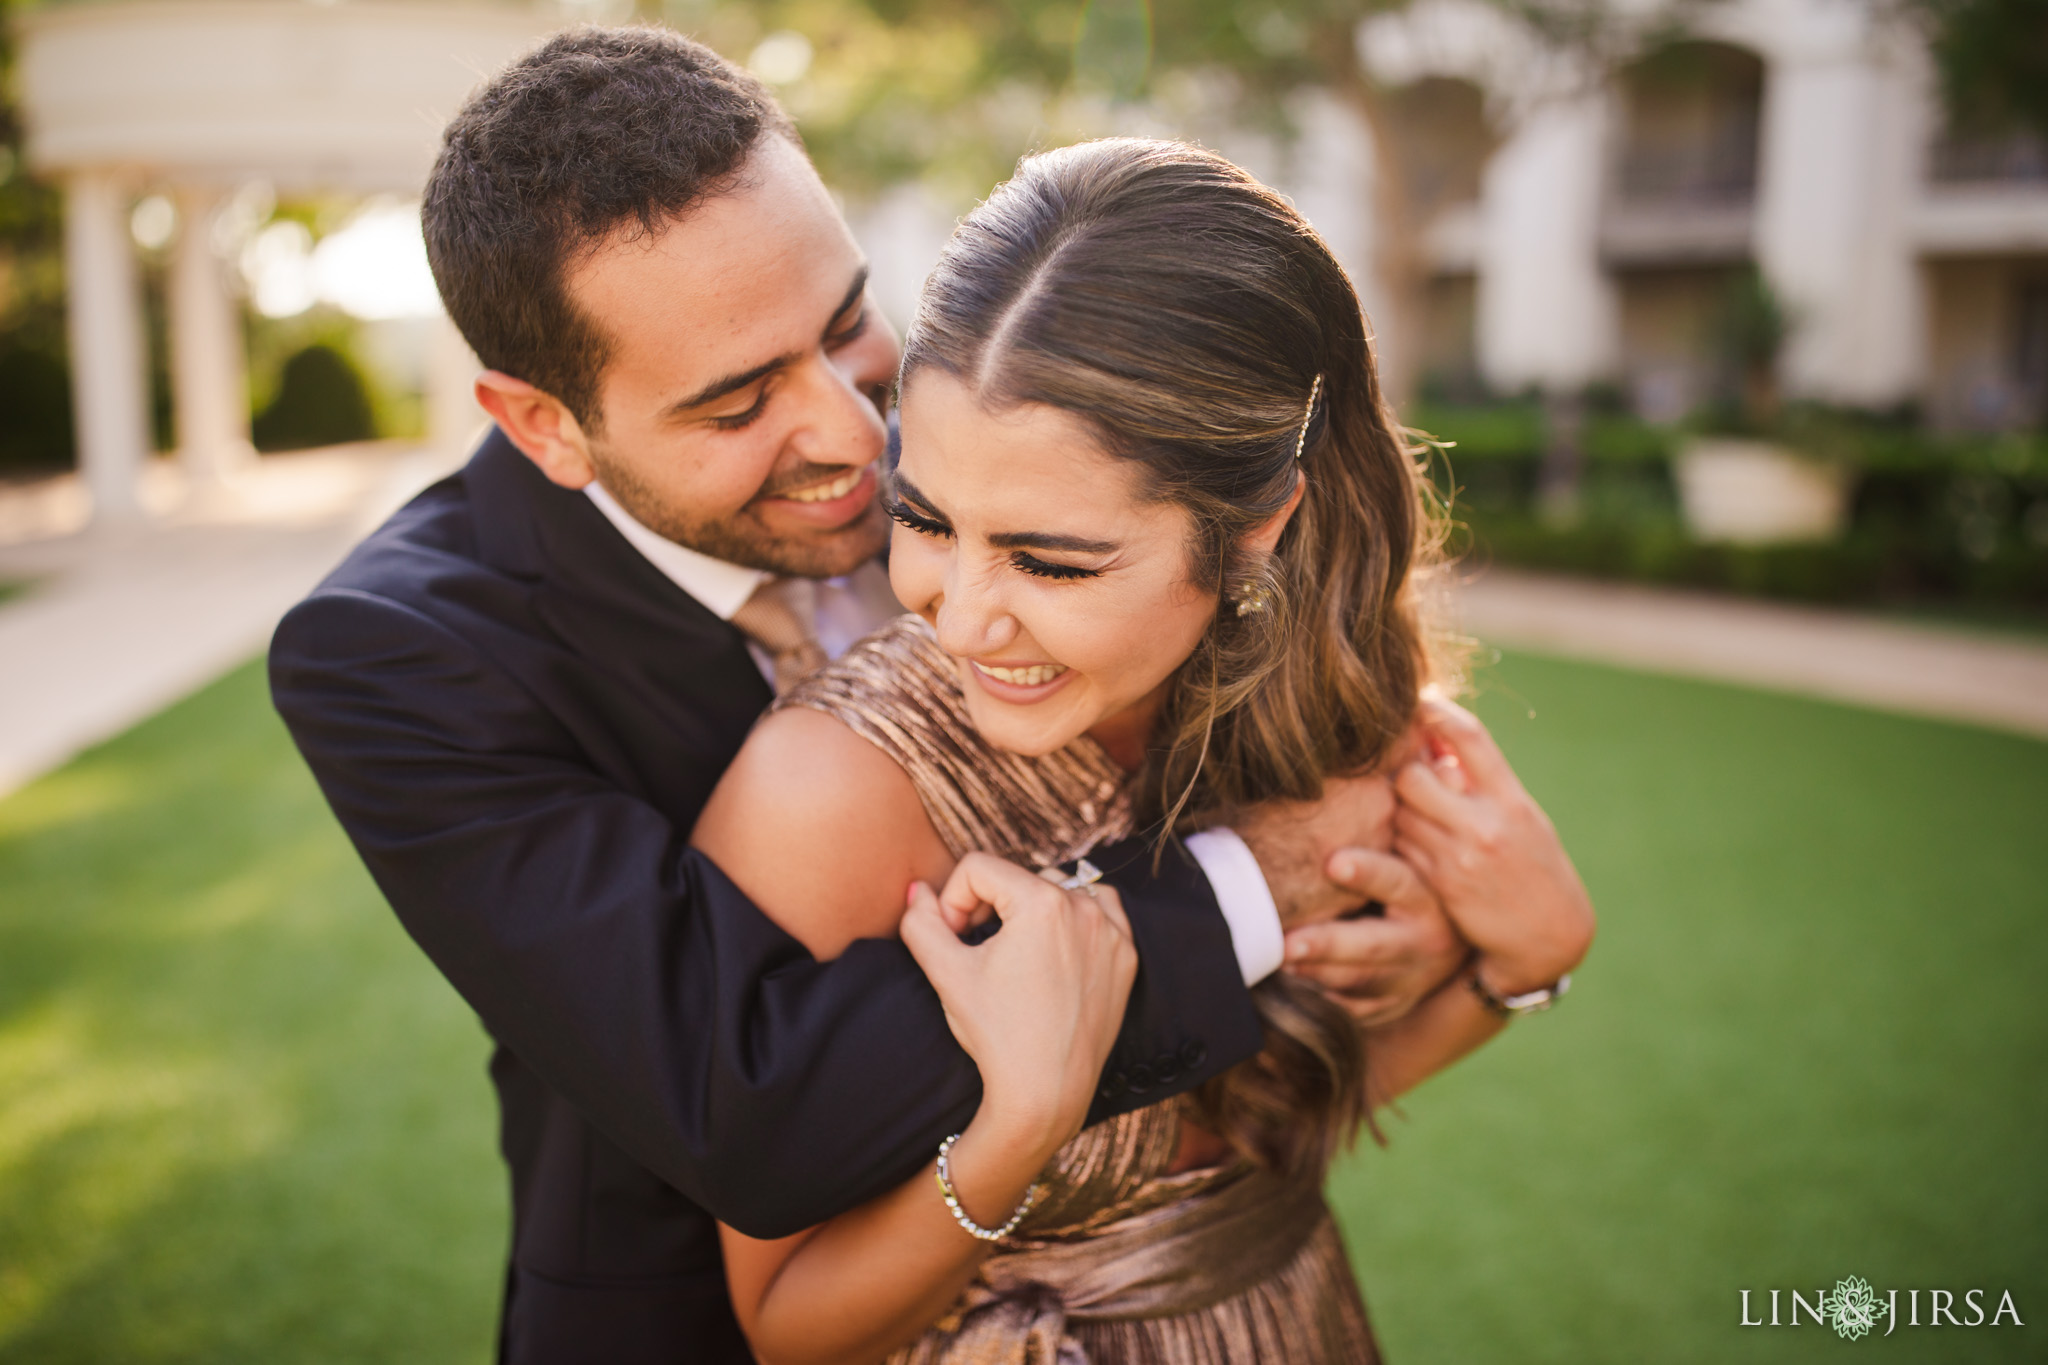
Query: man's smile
824,492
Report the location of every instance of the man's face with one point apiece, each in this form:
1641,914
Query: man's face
742,402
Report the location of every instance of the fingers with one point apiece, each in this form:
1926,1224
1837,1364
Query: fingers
1469,740
929,934
1422,857
983,883
1421,787
1374,876
1443,847
1112,906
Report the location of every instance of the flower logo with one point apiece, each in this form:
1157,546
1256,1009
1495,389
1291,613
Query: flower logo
1853,1308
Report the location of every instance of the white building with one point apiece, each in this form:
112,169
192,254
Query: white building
1583,225
195,100
1573,225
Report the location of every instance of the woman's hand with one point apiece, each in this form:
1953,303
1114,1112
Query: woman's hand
1490,854
1037,1005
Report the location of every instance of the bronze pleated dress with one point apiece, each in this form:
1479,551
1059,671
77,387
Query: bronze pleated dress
1119,1261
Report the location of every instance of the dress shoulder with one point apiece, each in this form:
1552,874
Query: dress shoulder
899,691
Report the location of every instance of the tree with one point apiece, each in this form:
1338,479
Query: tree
953,91
35,405
1993,57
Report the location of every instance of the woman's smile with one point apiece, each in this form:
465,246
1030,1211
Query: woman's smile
1019,684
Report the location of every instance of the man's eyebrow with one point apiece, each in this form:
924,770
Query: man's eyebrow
1013,540
719,388
732,383
853,293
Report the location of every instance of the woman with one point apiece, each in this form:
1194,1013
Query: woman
1163,546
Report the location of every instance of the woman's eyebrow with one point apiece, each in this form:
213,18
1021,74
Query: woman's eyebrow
1047,540
909,492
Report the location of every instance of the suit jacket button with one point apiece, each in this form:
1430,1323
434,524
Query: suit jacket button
1166,1066
1193,1054
1141,1079
1114,1085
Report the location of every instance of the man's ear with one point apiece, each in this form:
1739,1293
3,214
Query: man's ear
1260,540
538,423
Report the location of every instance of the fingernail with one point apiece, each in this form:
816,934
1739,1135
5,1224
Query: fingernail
1296,950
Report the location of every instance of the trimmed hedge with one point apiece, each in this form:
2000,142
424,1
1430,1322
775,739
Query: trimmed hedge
1933,518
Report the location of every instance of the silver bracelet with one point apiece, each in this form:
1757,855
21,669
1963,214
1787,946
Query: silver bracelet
952,1199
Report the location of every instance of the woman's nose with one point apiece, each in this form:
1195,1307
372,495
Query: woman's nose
971,621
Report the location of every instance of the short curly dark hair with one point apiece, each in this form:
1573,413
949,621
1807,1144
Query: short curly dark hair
597,128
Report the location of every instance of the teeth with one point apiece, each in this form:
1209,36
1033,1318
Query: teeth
1024,677
825,492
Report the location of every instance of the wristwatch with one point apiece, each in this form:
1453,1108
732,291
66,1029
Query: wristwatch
1515,1006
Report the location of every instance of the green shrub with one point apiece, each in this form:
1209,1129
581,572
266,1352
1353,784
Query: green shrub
35,410
321,400
1938,518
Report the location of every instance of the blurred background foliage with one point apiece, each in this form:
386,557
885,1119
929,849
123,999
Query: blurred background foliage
947,94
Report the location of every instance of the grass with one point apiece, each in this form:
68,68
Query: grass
241,1119
1810,1043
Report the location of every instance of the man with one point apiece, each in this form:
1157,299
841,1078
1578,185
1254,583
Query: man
519,692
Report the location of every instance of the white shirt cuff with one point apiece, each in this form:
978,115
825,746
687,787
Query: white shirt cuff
1246,900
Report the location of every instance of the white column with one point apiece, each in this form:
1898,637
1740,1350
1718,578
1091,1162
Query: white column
109,385
1546,311
1840,163
454,421
208,360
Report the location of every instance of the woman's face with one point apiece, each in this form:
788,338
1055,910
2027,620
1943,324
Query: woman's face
1062,595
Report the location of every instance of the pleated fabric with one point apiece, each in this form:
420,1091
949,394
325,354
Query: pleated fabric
1120,1261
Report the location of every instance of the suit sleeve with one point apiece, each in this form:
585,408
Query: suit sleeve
629,974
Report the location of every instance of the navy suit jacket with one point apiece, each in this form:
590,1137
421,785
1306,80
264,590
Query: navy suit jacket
517,719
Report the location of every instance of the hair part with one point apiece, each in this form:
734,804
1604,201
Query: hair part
1184,310
597,130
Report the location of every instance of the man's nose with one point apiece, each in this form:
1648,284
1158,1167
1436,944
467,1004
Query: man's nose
843,423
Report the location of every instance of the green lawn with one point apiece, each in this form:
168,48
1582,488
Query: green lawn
242,1120
1810,1043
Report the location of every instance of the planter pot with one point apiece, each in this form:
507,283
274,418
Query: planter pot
1757,492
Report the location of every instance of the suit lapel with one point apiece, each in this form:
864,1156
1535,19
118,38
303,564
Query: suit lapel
624,619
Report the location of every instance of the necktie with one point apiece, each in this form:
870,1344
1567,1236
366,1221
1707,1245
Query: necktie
782,617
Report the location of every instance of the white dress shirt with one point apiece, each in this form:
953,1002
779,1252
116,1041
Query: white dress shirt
850,607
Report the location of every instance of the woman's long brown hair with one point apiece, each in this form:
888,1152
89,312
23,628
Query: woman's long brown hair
1185,311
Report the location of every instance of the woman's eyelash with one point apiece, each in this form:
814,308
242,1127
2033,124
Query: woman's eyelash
900,513
1038,568
904,515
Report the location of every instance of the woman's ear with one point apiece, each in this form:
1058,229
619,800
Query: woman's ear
545,431
1260,540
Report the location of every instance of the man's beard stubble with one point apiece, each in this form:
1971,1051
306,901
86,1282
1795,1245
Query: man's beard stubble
742,538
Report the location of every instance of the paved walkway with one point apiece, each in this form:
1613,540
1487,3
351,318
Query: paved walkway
118,623
1928,670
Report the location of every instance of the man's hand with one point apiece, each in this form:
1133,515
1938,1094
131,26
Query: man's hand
1326,858
1294,841
1484,845
1378,968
